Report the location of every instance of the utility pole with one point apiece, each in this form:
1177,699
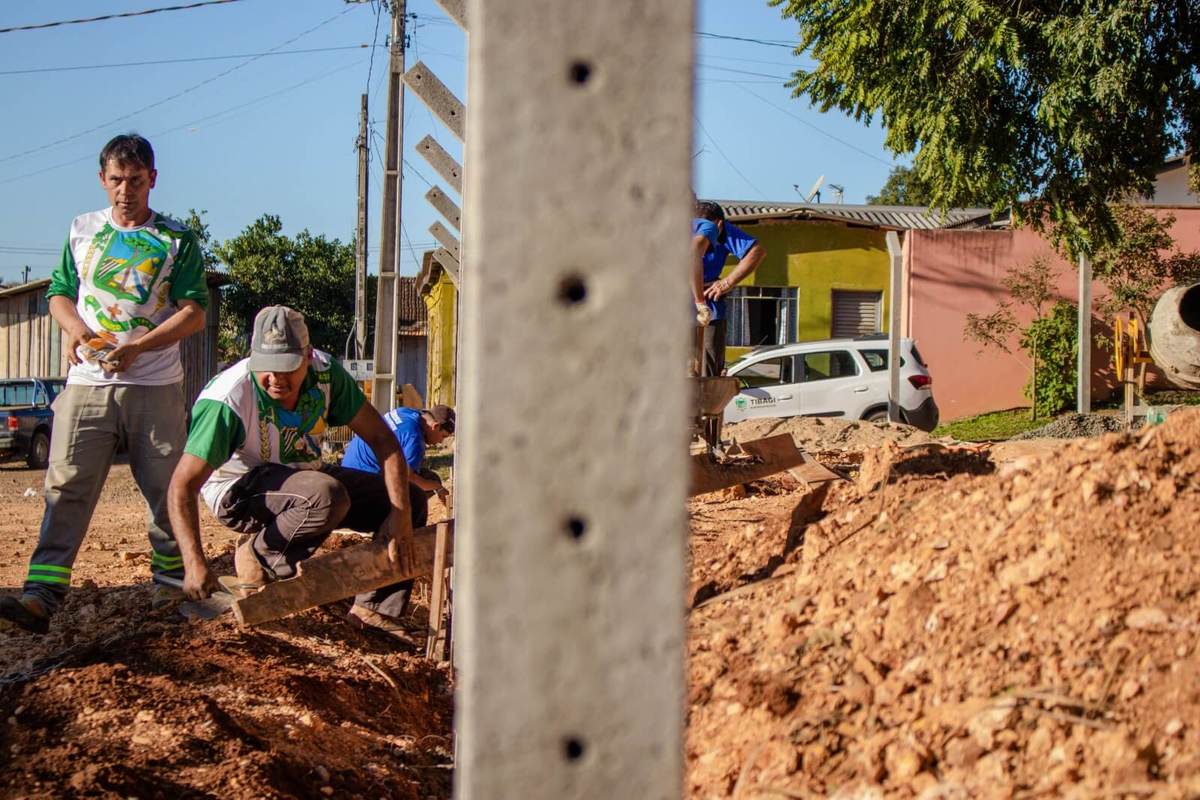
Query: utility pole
360,238
383,393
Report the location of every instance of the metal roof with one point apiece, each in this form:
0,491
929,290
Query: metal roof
891,217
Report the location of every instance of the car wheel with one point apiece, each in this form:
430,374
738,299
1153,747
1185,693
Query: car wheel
39,451
879,415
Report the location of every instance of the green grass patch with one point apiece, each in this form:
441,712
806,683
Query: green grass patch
990,427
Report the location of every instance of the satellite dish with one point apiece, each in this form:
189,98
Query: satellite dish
815,191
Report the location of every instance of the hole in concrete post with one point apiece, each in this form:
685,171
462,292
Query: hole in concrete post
576,527
580,72
573,748
572,290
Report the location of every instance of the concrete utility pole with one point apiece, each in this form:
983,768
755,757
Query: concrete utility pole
383,393
569,612
896,258
360,238
1083,381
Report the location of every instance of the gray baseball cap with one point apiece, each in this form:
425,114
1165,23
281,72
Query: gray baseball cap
280,340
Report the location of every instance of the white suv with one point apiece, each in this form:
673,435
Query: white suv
846,378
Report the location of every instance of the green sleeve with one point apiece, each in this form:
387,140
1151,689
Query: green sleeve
216,432
64,280
187,273
345,396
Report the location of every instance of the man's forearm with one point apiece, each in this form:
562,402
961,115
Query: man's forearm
64,312
180,325
421,482
184,512
747,265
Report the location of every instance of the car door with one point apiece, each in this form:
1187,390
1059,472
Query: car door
831,384
767,388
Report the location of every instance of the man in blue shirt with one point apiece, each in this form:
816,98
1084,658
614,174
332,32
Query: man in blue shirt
713,241
414,429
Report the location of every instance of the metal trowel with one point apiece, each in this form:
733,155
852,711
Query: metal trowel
213,606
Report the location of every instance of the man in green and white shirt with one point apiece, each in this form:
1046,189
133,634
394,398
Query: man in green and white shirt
254,454
134,278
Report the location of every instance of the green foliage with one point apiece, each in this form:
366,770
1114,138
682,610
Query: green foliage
195,222
902,188
1032,286
993,426
311,274
1055,109
1052,342
1141,263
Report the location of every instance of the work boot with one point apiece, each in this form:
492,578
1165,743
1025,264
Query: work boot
365,619
251,576
25,612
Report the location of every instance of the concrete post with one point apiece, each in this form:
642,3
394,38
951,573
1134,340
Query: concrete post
1083,381
443,162
573,401
896,258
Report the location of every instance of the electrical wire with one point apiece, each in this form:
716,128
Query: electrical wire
765,42
185,60
733,166
374,43
175,96
808,124
193,122
117,16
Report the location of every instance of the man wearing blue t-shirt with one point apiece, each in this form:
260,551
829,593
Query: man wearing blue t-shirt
713,241
414,429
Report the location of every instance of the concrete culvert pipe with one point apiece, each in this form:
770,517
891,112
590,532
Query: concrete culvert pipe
1175,335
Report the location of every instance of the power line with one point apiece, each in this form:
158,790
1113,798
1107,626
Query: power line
766,42
727,160
806,123
186,60
175,96
117,16
229,110
374,42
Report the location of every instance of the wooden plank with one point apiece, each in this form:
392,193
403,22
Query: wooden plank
435,642
333,576
774,454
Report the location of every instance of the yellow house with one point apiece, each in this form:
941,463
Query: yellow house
440,296
825,275
826,271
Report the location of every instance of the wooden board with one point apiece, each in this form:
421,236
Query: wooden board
333,576
774,454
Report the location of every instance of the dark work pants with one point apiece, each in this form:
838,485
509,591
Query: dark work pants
291,512
713,366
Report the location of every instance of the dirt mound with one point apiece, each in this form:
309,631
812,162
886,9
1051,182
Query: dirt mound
305,708
957,632
815,433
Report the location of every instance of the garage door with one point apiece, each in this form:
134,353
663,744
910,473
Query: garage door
856,314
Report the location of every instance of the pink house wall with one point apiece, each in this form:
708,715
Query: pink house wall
950,273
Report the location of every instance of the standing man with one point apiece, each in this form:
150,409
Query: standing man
130,279
713,241
414,429
254,455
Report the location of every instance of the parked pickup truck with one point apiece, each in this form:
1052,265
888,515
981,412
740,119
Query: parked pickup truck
26,418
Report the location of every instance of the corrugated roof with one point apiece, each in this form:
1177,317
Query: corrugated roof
890,217
411,308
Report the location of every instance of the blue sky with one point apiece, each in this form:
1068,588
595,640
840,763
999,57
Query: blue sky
275,134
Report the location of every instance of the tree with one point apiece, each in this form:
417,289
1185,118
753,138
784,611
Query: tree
311,274
194,220
1141,263
1054,109
902,188
1048,339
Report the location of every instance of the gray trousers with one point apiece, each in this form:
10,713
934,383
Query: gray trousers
89,423
713,366
291,512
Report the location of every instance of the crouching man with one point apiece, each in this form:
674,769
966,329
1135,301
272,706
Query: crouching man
254,454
